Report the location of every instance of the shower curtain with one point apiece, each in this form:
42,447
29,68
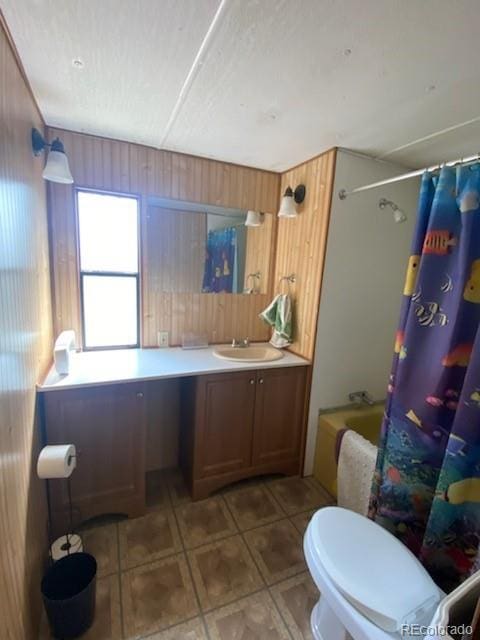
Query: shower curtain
426,487
220,261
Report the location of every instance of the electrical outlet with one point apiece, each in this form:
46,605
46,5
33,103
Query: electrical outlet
162,339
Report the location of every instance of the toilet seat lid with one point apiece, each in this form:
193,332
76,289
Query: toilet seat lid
373,570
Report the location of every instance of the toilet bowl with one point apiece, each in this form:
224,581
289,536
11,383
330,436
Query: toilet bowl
372,587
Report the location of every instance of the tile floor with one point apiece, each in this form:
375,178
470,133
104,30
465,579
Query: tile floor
226,568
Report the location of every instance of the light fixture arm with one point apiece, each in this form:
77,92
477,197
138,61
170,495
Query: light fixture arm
39,143
300,193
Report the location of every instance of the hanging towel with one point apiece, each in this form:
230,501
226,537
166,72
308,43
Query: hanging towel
356,465
278,315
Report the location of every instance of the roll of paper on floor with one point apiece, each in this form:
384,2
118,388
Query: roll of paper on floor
56,461
61,547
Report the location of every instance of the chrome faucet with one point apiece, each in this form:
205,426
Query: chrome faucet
240,344
361,397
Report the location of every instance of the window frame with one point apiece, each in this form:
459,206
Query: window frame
100,274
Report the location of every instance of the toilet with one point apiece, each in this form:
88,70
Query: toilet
371,585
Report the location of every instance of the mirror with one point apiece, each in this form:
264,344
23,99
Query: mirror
192,248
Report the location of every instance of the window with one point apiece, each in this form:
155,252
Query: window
108,240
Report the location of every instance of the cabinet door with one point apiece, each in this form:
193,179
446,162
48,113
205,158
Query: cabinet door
225,411
279,414
107,426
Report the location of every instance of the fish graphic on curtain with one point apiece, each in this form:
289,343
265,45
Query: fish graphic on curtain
426,487
220,261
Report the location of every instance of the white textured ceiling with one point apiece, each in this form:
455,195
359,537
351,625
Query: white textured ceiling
267,83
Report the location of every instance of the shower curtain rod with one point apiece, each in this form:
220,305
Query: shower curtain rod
343,193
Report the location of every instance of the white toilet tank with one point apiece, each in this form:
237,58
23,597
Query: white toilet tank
371,569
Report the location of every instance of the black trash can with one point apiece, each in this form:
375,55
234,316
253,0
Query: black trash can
68,590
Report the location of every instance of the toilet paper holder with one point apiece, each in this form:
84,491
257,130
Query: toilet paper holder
50,467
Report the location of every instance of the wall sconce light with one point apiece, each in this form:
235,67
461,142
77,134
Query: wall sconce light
289,201
254,219
56,168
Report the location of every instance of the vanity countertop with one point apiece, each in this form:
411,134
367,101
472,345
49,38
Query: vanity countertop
93,368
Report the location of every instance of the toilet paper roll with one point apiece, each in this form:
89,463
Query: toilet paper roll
60,547
56,461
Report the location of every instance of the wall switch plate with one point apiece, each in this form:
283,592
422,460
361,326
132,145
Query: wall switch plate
163,339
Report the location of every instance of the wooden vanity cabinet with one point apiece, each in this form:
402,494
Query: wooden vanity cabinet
237,425
107,425
225,400
279,415
233,426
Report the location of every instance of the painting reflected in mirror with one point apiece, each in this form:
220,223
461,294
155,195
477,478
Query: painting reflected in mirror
206,249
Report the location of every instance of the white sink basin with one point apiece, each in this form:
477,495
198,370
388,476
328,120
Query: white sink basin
254,353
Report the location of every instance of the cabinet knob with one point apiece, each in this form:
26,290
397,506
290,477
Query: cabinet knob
139,394
260,381
252,381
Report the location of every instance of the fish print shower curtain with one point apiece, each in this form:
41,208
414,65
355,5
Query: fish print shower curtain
426,488
220,261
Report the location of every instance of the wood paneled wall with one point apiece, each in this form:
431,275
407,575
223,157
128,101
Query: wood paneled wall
112,165
163,424
260,254
174,250
104,164
301,245
221,317
26,343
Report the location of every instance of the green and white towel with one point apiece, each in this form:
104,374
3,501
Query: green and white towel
278,315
